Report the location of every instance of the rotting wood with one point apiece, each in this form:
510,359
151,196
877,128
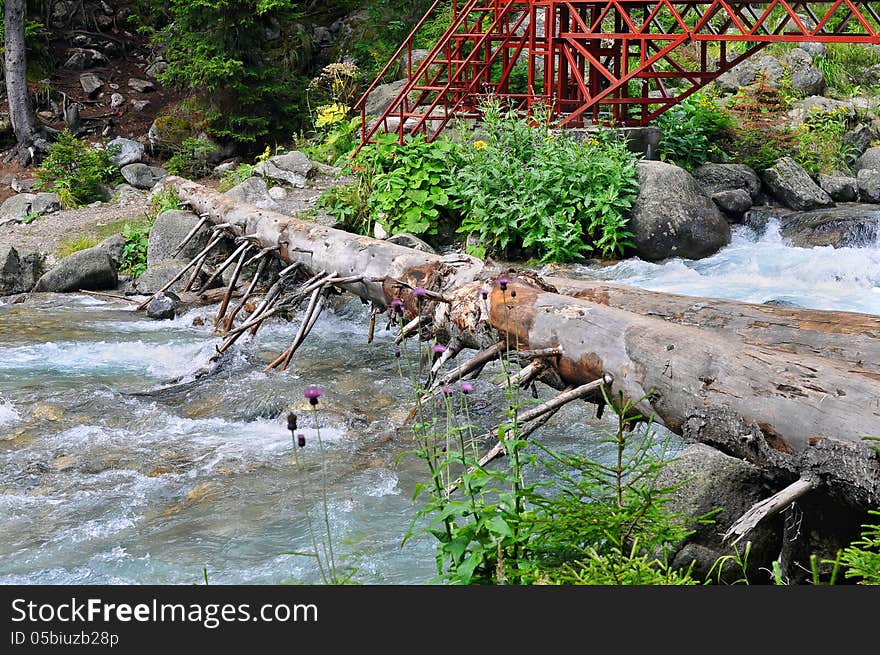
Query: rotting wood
694,380
768,507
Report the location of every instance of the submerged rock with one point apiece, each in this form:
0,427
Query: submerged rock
163,306
852,225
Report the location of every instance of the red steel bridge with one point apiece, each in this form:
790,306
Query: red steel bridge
617,63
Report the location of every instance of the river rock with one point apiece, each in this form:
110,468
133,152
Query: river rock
114,246
169,229
80,58
734,202
127,152
793,187
869,185
852,224
382,96
841,188
91,269
90,83
158,275
163,306
116,100
712,178
14,274
806,79
141,176
708,480
45,203
253,191
672,218
291,168
870,159
16,208
141,86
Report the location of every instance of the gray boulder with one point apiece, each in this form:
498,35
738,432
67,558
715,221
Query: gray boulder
114,246
128,151
801,109
734,202
141,176
841,188
806,79
291,168
45,203
870,159
382,96
125,194
163,306
16,208
869,185
712,178
850,225
253,191
157,276
11,278
672,218
793,187
90,269
169,229
708,480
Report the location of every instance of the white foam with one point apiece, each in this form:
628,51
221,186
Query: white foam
8,414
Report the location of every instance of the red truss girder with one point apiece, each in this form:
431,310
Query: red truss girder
620,63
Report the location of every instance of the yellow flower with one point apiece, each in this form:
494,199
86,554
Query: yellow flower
480,145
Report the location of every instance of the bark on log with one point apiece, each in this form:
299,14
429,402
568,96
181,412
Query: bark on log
791,414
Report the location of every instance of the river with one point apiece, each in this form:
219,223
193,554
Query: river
105,478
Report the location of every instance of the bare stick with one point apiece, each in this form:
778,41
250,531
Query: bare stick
408,329
372,329
232,283
217,238
202,220
768,507
226,263
481,358
534,418
313,317
247,294
195,273
107,295
527,373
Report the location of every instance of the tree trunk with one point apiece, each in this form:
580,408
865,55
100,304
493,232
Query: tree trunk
15,68
791,414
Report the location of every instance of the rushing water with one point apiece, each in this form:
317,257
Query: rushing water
105,478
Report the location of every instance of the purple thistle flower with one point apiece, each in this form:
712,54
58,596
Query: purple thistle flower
503,281
397,305
484,293
466,387
448,391
300,440
418,292
513,293
438,348
397,352
312,393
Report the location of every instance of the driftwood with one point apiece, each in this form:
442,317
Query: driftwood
789,405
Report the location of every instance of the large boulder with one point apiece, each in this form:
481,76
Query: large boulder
806,79
869,185
706,480
672,218
712,178
16,208
869,160
850,225
91,269
158,275
169,229
127,151
793,187
19,272
841,188
291,168
254,191
382,96
141,176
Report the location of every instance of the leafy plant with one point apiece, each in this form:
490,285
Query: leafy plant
525,189
76,171
191,158
819,145
134,249
75,244
690,130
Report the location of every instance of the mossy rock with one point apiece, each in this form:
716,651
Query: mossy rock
170,131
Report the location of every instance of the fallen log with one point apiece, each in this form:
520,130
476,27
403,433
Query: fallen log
794,416
845,336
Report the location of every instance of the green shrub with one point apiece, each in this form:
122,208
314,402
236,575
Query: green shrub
235,176
191,159
527,190
75,244
819,146
76,171
134,250
689,131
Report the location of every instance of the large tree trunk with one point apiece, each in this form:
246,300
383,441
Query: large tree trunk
15,68
794,414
